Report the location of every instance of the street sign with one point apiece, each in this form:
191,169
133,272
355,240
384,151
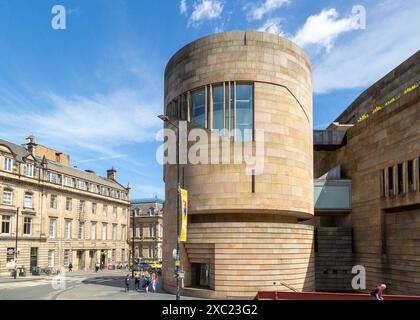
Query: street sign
177,263
181,274
175,254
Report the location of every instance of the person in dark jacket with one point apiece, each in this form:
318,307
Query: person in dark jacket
127,283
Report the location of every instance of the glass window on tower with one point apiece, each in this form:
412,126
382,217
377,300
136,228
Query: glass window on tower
199,107
244,110
218,107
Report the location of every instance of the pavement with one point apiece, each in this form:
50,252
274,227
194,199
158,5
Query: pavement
104,285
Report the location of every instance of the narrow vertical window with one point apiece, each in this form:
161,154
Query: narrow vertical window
400,179
218,107
198,107
27,226
391,181
245,110
410,173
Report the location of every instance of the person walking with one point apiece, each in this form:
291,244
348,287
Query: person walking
377,293
127,283
137,278
146,281
70,267
97,266
155,282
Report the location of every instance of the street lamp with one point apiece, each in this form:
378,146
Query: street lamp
167,119
132,244
16,242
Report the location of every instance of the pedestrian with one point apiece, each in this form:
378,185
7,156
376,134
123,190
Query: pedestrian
70,267
97,266
155,282
137,279
377,293
127,283
146,281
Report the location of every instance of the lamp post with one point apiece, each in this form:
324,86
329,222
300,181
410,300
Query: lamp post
166,119
132,244
16,241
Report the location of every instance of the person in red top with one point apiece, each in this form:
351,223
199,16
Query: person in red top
379,291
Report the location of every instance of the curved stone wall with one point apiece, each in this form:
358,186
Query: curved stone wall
253,224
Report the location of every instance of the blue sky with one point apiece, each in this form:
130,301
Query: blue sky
94,89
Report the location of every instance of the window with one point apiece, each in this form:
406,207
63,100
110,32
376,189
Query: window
113,193
67,229
53,201
8,164
104,191
123,255
104,231
391,181
66,260
94,207
69,204
400,179
5,224
141,230
68,182
51,254
27,225
114,212
245,110
218,107
53,226
82,205
53,177
114,255
30,170
81,185
8,197
198,107
152,231
27,204
410,172
105,210
93,231
151,252
81,234
114,232
123,233
93,188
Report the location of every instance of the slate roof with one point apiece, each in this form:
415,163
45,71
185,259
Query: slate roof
21,153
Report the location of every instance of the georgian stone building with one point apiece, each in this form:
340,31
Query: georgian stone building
148,226
61,214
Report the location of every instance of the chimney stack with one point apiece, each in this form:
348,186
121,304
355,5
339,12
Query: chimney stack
30,144
112,174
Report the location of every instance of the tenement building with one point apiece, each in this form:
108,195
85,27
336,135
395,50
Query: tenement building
367,197
244,230
58,214
147,216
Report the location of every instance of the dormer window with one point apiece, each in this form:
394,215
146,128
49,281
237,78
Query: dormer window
53,177
30,170
68,182
8,164
81,185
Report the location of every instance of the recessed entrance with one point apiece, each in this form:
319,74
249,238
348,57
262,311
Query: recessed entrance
200,275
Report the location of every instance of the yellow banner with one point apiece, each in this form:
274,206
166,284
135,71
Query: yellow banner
184,215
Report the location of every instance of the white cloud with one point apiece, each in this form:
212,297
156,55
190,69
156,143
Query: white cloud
183,8
258,11
206,10
372,53
323,29
97,123
272,26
